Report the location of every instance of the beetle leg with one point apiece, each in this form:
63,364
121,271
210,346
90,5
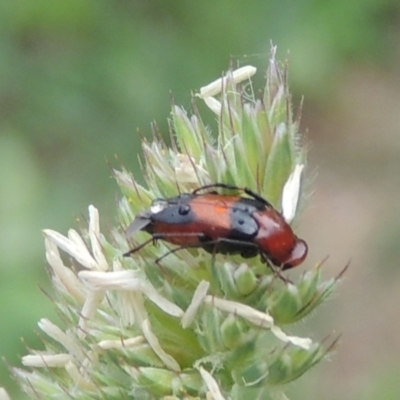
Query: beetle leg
276,270
256,196
187,246
153,239
137,248
246,190
213,243
216,185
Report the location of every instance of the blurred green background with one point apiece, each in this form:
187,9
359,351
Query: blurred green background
77,78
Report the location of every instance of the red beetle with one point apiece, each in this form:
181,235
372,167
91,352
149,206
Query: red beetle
218,223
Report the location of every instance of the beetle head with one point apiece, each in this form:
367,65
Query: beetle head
144,220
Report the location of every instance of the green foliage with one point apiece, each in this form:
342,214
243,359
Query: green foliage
77,79
195,326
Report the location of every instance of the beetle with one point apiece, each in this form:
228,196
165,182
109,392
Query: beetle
226,224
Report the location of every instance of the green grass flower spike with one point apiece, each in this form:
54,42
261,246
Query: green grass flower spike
197,326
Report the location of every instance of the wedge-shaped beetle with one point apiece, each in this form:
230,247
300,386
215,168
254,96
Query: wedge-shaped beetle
219,223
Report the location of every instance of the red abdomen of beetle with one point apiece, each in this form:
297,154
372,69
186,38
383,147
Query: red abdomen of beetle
275,238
